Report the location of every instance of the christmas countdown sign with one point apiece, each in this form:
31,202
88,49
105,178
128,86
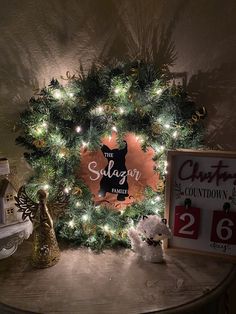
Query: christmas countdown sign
201,201
118,176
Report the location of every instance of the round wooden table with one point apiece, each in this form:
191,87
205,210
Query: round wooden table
113,282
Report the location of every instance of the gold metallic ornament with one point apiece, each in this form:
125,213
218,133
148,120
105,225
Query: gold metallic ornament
160,186
39,143
175,89
45,250
134,72
77,191
122,234
132,95
156,129
63,152
108,108
81,102
69,77
89,229
198,115
139,110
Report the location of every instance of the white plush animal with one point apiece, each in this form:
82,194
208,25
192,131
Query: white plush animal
146,237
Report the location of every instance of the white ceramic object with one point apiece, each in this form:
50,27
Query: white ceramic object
13,235
4,166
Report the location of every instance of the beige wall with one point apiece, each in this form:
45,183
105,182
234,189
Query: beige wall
45,38
41,39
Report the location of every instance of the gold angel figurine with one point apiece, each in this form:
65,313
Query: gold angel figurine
46,252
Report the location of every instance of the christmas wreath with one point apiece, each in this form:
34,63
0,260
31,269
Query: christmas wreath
62,120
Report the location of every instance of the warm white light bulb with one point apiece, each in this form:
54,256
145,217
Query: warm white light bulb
84,144
139,138
67,190
78,129
175,134
71,95
39,130
46,187
98,207
85,217
158,198
100,109
61,155
44,124
165,167
57,94
106,228
158,91
117,90
114,128
78,204
71,223
167,126
121,110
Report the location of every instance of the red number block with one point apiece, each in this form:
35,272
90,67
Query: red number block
187,222
223,228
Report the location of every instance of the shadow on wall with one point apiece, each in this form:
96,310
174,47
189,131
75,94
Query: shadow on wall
216,90
142,34
47,40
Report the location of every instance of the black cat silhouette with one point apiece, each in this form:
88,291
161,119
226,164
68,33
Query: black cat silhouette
114,179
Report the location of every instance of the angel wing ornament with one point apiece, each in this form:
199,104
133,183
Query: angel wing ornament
25,205
45,252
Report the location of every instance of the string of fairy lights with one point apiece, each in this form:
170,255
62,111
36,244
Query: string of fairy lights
64,120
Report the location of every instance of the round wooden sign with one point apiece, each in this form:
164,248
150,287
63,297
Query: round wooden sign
116,176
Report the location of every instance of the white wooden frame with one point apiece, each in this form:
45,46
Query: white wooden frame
169,191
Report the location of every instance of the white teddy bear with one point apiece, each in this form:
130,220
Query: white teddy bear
146,237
